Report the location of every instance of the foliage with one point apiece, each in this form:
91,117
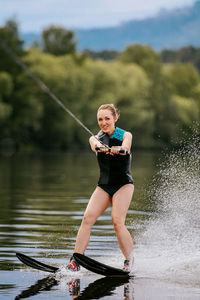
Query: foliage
188,54
183,78
141,55
158,102
104,54
9,34
5,90
58,41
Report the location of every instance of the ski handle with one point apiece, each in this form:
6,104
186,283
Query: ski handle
109,150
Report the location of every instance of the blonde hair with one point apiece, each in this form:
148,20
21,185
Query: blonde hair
110,107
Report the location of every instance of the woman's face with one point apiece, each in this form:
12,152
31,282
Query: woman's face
106,121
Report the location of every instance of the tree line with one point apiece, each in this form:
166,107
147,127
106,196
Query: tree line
158,94
189,54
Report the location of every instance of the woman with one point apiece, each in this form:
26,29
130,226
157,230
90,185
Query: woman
115,186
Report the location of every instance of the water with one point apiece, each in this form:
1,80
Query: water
43,198
170,241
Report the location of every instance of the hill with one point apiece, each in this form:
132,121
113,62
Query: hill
169,29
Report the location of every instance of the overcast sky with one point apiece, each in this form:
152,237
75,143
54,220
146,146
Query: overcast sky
34,15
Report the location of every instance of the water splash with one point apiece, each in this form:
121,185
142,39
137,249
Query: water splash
169,245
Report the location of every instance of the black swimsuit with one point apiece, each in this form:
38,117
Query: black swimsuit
114,169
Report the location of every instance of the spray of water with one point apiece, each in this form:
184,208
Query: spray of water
169,245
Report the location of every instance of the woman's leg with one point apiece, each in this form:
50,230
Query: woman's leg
120,204
98,203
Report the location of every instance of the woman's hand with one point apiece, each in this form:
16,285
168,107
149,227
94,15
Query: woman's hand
102,149
94,144
112,151
118,150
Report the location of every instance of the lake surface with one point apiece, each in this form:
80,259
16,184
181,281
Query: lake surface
42,201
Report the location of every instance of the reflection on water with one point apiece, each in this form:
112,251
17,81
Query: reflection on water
95,290
43,198
44,284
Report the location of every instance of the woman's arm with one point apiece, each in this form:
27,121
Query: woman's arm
95,143
126,145
127,141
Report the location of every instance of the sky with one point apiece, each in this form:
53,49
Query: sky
35,15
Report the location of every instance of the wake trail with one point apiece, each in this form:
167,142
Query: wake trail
168,246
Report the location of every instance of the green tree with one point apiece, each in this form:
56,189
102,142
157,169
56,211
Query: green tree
132,100
184,82
159,93
47,124
9,71
188,54
9,34
127,86
58,41
185,118
6,87
104,54
186,109
183,78
142,55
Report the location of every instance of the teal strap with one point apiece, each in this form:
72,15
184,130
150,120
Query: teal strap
118,134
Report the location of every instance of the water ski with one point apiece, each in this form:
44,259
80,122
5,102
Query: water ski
35,264
86,262
97,267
